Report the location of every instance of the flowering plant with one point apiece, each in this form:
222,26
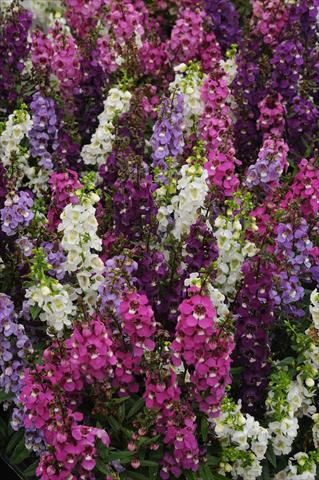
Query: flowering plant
159,252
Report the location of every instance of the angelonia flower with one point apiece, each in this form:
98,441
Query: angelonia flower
304,188
270,18
138,322
200,247
167,138
229,67
63,186
225,22
55,304
300,467
304,116
116,103
294,246
199,344
270,164
187,34
79,241
287,63
314,308
14,48
254,316
188,82
231,253
118,276
180,434
216,132
43,134
174,420
14,346
192,189
134,207
85,356
16,130
65,63
197,280
56,259
290,399
244,441
17,212
315,429
159,225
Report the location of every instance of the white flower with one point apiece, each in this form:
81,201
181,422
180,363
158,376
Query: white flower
116,103
190,85
193,189
232,253
233,428
79,227
55,303
16,130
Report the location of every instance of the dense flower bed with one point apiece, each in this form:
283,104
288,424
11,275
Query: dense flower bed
159,213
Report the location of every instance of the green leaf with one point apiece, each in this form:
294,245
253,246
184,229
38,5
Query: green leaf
35,311
217,476
265,473
148,463
114,423
123,457
100,465
121,413
236,370
14,440
204,428
190,476
19,454
271,457
3,428
153,472
5,396
138,476
212,460
205,472
117,401
147,441
30,470
135,408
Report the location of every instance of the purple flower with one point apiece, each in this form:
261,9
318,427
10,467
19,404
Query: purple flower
17,213
43,135
167,139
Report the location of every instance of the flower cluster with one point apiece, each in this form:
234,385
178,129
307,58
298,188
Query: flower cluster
117,103
82,358
159,225
244,441
192,190
216,125
118,277
16,213
167,139
14,48
79,227
188,82
138,322
231,252
301,466
15,131
292,398
208,357
255,315
43,133
14,346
